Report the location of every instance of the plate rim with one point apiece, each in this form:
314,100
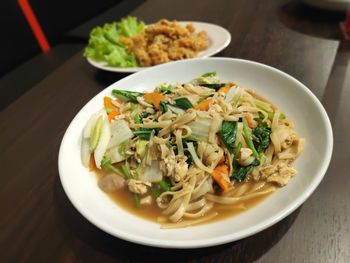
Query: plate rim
99,64
209,242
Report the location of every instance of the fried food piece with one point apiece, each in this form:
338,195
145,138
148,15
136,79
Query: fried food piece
166,41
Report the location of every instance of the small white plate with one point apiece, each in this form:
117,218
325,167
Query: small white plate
291,96
219,38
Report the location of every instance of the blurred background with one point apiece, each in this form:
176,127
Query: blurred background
64,26
43,34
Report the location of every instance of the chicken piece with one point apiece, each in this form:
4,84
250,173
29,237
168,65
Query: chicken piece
279,174
181,168
286,136
246,157
174,166
137,186
146,200
111,182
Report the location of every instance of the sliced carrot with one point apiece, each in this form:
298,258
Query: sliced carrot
112,114
92,165
107,101
222,160
220,174
111,109
154,98
204,105
224,89
250,120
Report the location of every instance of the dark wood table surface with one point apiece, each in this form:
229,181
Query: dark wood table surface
39,224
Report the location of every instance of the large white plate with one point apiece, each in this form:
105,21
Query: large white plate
219,38
296,100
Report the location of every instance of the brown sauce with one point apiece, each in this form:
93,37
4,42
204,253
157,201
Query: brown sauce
125,199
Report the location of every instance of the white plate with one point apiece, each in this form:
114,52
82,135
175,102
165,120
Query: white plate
219,38
293,98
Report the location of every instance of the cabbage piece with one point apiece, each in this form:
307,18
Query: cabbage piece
85,152
200,128
115,155
120,132
89,126
141,147
102,143
152,173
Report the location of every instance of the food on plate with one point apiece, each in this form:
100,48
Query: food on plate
166,41
189,153
129,43
104,44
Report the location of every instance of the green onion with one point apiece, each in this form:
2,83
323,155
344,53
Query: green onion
143,133
270,114
248,138
107,165
127,95
126,172
237,150
137,201
154,191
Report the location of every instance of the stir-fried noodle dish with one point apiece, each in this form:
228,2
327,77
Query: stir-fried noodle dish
190,152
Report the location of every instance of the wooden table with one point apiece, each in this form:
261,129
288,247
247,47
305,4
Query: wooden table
39,224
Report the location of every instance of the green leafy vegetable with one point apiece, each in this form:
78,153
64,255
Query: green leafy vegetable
262,134
146,114
165,185
215,86
163,107
241,172
189,159
104,43
183,103
209,74
228,133
137,119
129,26
248,138
126,95
96,134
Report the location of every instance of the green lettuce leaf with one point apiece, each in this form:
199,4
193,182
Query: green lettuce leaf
104,43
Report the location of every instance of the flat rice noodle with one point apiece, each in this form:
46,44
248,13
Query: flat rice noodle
186,223
235,200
